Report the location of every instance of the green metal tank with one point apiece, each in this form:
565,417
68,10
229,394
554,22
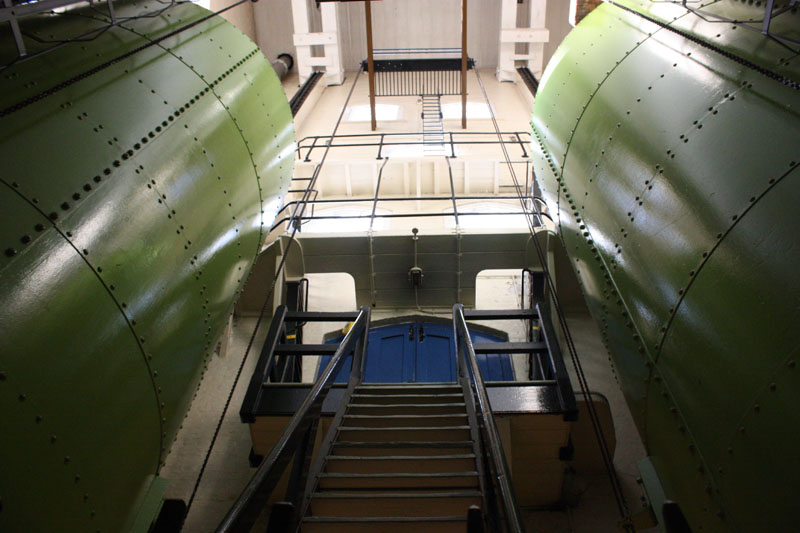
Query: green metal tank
667,146
140,169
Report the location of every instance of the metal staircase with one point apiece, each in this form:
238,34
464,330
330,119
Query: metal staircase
399,457
432,127
394,457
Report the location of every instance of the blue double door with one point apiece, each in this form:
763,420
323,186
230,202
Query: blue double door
420,352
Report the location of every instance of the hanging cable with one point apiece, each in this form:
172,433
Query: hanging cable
297,214
608,461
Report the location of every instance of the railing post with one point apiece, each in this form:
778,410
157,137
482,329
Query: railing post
360,351
313,144
474,519
265,363
281,517
521,145
300,467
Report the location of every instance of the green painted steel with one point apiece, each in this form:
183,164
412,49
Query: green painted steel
133,202
672,169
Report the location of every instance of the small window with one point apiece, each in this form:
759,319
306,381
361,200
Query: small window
383,113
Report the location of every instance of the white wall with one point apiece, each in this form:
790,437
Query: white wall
273,23
557,21
240,16
396,24
421,24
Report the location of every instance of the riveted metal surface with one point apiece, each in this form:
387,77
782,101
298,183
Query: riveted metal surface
134,215
86,408
670,166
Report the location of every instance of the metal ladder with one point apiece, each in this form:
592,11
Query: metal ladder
432,128
399,457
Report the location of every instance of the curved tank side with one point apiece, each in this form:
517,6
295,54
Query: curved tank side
672,169
135,199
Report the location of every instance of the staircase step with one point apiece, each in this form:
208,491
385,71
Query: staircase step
400,463
377,449
326,524
405,398
405,420
389,434
408,409
416,480
376,504
403,388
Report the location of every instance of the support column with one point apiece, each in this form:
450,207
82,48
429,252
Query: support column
328,38
508,22
371,64
333,52
464,64
302,46
538,12
535,35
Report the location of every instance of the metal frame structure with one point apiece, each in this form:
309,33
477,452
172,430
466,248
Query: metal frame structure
328,141
501,510
362,140
376,199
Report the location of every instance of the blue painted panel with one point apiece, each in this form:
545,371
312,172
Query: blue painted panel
435,361
390,355
419,352
494,367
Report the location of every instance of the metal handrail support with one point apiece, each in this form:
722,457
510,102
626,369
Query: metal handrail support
248,506
566,395
266,362
465,352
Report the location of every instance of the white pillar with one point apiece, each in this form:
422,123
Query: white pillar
538,11
303,50
508,22
535,35
328,38
333,52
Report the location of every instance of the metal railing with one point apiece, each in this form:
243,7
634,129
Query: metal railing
500,497
389,139
298,437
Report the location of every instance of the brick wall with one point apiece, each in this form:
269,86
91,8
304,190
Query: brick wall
584,7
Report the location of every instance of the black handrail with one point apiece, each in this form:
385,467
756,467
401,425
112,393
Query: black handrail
493,445
251,502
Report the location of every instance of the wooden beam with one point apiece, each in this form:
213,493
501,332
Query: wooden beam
371,65
464,64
